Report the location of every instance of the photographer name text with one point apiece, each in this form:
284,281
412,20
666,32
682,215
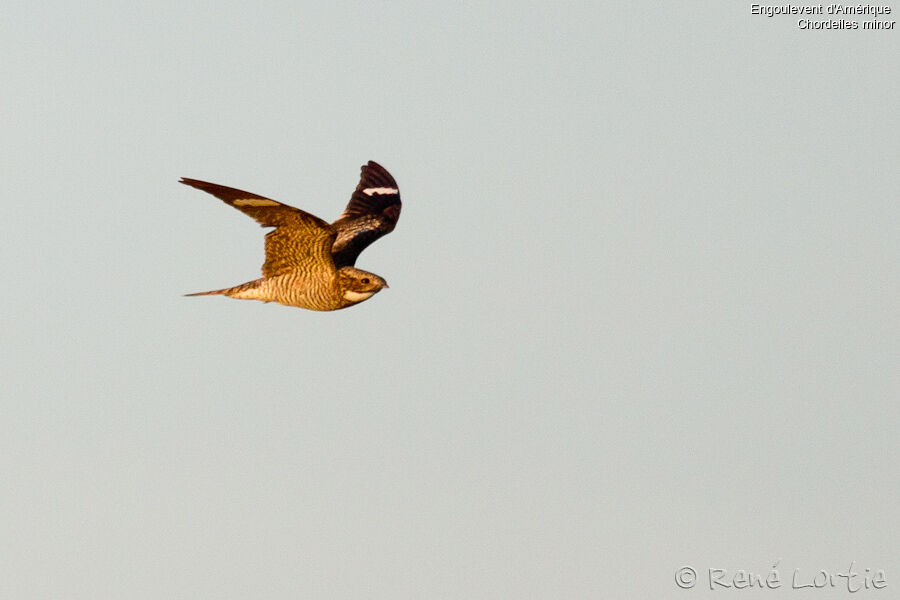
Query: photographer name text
853,579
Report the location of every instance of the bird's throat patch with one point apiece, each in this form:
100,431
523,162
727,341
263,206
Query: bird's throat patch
352,296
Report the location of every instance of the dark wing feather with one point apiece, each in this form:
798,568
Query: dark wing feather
372,212
300,241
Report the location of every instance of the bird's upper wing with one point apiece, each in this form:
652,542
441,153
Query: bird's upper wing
372,212
300,241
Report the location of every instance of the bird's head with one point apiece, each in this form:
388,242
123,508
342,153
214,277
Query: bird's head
358,285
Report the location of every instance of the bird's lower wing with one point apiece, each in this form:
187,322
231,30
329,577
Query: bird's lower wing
372,212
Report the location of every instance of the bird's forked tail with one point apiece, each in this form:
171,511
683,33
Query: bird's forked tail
211,293
245,290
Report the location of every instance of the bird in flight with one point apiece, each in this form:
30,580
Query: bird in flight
309,263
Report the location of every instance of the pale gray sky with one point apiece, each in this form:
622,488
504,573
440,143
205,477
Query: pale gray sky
642,315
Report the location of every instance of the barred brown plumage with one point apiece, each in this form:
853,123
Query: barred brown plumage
309,263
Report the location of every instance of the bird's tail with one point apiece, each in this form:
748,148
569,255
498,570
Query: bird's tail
212,293
245,290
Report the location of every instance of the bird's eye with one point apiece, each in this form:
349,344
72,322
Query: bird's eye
365,280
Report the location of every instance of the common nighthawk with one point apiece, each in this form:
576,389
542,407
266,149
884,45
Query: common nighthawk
309,263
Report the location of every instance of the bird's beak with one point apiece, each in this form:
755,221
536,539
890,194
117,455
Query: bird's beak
386,285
